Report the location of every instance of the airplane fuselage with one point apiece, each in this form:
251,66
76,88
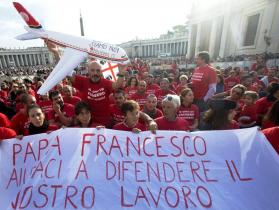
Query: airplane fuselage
95,49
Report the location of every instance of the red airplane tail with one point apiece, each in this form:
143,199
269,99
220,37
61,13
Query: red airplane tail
27,17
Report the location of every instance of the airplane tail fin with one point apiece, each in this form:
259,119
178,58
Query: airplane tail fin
27,17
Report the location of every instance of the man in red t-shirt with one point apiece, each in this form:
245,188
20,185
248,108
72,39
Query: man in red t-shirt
151,88
68,95
163,91
115,109
20,121
62,113
140,96
204,80
96,91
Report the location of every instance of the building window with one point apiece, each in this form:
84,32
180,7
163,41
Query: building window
251,30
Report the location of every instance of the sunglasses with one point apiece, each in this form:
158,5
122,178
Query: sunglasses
169,98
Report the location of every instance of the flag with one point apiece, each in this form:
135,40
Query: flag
109,70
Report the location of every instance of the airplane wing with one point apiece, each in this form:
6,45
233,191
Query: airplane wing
71,59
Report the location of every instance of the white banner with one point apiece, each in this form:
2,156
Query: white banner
77,168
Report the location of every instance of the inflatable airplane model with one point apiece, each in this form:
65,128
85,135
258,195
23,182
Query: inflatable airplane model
77,49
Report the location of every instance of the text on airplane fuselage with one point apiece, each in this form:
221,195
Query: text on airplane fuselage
103,46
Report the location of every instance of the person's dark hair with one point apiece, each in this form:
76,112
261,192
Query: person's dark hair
129,105
218,119
204,56
271,89
53,94
119,91
245,77
24,98
130,81
29,108
81,105
273,114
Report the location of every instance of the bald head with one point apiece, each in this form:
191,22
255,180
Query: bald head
94,71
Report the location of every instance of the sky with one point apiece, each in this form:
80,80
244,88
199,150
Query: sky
109,21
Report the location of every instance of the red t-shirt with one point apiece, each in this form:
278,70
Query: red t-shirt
160,94
263,106
130,91
268,124
4,121
74,100
46,106
140,98
249,111
20,122
123,127
68,110
201,79
272,135
97,95
189,113
116,115
6,133
179,124
230,82
152,88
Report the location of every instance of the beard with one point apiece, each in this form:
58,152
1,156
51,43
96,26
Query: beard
95,78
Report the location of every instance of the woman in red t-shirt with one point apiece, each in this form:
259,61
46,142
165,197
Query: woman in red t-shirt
37,122
188,110
132,86
131,111
170,120
220,116
183,79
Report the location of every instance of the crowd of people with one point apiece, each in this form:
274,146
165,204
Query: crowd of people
26,71
203,99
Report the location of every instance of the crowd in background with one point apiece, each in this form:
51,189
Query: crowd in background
203,98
